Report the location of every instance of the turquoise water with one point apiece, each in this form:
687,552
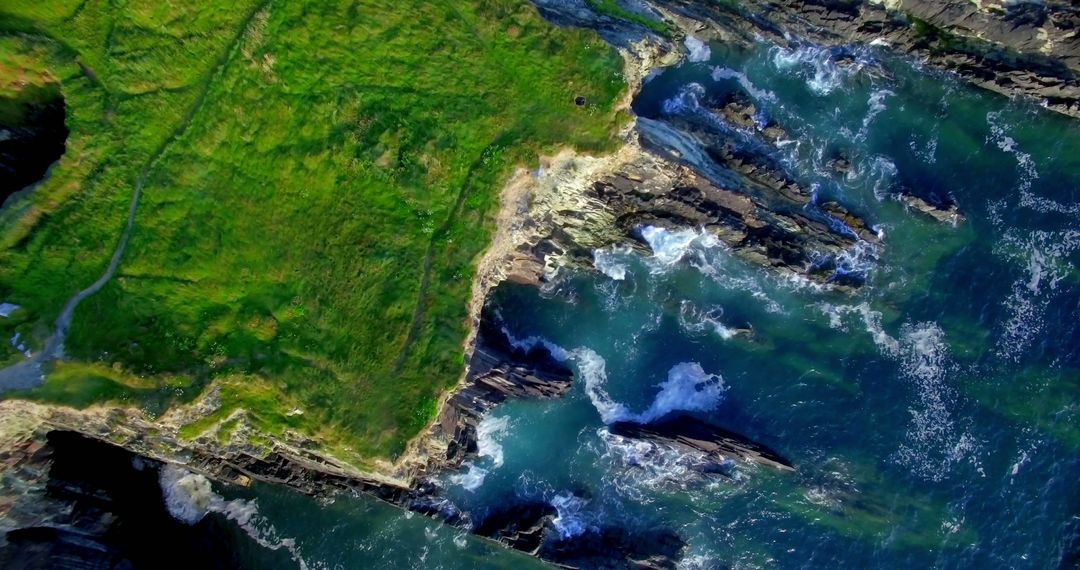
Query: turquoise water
933,416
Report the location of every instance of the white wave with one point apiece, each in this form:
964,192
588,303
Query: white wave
637,465
670,247
1046,256
815,63
528,343
934,444
8,309
999,136
721,73
593,369
859,260
876,104
696,321
928,151
687,388
569,520
871,321
612,261
471,479
687,100
487,433
189,497
696,50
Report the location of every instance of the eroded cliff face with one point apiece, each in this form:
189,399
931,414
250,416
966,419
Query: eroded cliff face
670,175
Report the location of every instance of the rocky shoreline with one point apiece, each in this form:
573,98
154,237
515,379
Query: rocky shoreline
558,217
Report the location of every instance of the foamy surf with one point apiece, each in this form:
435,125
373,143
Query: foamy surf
688,388
190,496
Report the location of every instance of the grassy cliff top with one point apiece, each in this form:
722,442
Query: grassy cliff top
320,178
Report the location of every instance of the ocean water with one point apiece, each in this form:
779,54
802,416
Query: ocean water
933,416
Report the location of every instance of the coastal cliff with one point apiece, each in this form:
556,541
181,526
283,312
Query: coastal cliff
573,205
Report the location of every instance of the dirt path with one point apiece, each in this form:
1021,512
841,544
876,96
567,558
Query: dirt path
29,373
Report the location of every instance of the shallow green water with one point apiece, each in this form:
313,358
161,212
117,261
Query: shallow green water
933,417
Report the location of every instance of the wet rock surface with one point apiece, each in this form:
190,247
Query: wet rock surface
617,548
521,526
1014,48
497,371
687,433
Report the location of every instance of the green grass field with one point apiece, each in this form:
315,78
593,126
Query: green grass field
320,179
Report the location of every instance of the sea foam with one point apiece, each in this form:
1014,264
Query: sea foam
687,388
190,496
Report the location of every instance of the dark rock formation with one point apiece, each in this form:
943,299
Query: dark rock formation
943,211
72,502
497,371
32,137
617,548
521,526
770,227
693,435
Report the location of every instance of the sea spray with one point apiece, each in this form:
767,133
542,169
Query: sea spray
697,321
722,73
471,479
487,433
190,496
570,519
688,388
611,261
696,50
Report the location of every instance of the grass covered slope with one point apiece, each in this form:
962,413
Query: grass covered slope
320,179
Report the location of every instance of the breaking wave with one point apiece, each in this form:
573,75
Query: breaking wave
933,443
190,496
570,519
1045,255
817,65
722,73
611,261
697,321
687,388
471,479
670,247
528,343
696,49
487,433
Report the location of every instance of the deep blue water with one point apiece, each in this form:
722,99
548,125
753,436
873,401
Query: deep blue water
933,416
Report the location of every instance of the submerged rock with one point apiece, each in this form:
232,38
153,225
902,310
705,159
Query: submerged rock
945,212
617,548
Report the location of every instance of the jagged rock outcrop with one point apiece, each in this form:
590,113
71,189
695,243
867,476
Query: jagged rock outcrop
1014,48
689,434
521,526
944,211
578,205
